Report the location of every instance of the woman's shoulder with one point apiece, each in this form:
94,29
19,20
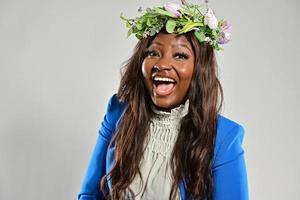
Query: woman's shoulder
225,125
115,107
229,137
228,128
114,110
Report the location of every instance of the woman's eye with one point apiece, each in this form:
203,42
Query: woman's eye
181,56
151,53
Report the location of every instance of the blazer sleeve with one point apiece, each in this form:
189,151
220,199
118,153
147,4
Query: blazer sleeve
90,187
229,169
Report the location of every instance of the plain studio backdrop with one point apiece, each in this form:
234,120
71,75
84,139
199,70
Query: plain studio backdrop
60,62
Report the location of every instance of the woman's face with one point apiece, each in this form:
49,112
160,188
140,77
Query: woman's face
168,69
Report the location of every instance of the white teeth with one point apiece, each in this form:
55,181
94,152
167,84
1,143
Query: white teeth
157,78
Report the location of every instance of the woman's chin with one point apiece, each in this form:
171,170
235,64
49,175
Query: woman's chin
164,104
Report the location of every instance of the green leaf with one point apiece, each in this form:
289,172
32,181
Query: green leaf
214,33
163,12
129,32
189,25
139,36
200,36
122,17
128,25
148,22
139,26
170,25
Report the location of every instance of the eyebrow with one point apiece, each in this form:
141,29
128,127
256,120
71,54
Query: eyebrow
174,46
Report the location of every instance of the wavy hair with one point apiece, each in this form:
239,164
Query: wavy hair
192,155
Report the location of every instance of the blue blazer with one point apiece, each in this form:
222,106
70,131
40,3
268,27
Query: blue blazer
229,171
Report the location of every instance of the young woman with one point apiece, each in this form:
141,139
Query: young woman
162,136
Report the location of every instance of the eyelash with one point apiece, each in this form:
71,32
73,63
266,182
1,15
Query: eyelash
151,53
180,56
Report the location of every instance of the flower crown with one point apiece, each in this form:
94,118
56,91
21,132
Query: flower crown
181,19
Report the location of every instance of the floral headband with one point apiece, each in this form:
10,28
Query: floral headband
181,19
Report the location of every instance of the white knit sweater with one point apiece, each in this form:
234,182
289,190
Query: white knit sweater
155,165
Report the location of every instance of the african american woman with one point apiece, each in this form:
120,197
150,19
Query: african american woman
163,136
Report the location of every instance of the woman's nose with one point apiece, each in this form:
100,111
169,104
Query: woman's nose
161,67
163,64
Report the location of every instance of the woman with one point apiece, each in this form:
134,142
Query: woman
162,136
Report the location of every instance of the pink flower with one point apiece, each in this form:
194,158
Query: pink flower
225,38
173,8
225,28
210,19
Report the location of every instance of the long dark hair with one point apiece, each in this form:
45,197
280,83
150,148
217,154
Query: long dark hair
193,152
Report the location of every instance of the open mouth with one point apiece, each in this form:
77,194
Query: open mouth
163,86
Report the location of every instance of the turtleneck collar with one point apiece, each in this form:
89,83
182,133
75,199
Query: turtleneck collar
176,113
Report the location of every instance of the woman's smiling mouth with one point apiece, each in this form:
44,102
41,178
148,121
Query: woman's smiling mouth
163,86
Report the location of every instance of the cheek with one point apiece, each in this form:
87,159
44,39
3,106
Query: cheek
146,69
144,72
186,73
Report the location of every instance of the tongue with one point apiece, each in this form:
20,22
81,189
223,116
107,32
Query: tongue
164,88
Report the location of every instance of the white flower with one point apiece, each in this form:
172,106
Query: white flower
207,39
173,8
210,19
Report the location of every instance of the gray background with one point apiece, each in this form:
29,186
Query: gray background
59,64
